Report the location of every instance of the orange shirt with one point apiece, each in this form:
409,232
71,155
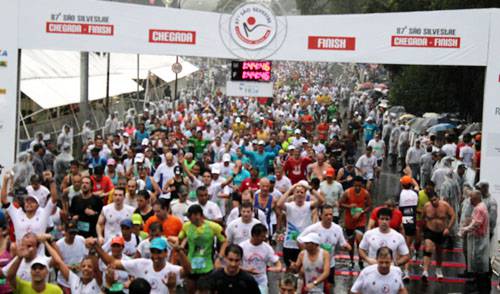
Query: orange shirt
360,201
171,226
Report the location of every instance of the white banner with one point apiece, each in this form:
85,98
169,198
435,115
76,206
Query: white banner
8,80
456,37
249,89
490,141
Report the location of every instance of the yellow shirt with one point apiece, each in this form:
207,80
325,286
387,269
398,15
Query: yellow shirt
24,287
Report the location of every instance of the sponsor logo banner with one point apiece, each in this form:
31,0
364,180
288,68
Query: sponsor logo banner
331,43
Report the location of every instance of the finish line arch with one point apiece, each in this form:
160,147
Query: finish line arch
454,37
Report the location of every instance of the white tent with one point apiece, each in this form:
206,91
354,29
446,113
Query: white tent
52,78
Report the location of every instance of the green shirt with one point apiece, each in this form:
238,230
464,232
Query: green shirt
423,198
201,244
24,287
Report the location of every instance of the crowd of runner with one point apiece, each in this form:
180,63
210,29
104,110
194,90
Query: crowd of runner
210,195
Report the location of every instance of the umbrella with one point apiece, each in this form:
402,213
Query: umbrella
440,128
406,116
472,128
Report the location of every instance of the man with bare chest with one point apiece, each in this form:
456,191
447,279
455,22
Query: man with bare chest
439,218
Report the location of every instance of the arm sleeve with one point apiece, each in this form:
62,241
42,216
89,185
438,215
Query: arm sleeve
134,266
217,229
364,244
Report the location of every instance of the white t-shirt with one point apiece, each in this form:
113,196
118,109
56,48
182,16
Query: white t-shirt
37,224
374,239
24,270
408,200
329,237
143,268
371,281
449,149
72,254
130,246
283,184
180,208
297,219
467,153
164,173
77,286
143,248
235,213
210,211
237,231
113,218
378,148
258,257
333,192
41,194
367,164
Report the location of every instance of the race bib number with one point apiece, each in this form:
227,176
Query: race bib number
83,226
198,263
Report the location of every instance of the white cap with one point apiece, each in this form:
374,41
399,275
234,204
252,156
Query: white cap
139,157
305,141
126,135
30,195
310,238
226,157
255,141
145,141
40,260
238,120
261,142
304,183
216,169
297,132
291,147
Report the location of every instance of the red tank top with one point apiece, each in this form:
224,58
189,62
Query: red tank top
360,201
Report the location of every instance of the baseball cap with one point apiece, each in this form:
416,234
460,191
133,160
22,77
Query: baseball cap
238,120
406,180
305,141
126,135
139,157
261,142
136,219
297,132
118,240
310,238
145,141
215,169
177,170
291,147
254,141
33,197
40,260
271,178
111,161
226,157
330,172
126,222
158,243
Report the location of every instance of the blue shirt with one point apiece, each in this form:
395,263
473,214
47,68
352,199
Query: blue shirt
370,130
259,160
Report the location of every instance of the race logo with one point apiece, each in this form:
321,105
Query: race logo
253,26
254,31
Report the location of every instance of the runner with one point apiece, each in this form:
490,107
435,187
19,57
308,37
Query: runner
381,277
438,217
356,202
331,236
408,202
368,167
239,230
108,224
257,255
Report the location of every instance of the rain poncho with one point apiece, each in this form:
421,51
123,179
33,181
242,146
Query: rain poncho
65,137
450,192
111,124
478,242
393,140
62,163
23,170
130,117
87,132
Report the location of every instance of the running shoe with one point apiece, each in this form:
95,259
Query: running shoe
425,276
439,273
406,276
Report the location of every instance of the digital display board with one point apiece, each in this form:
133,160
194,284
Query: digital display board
254,71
